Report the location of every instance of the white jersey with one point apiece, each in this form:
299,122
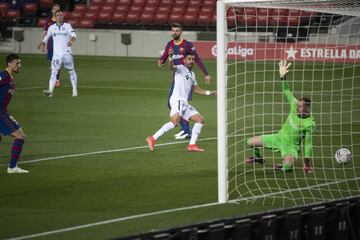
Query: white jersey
61,35
184,80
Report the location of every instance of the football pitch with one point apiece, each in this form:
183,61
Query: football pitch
91,174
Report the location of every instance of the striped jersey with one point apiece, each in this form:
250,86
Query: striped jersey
7,89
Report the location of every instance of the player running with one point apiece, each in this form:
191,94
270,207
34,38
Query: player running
50,50
299,125
174,51
8,124
63,37
184,82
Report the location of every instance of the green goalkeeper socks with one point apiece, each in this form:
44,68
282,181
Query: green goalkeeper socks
286,167
257,153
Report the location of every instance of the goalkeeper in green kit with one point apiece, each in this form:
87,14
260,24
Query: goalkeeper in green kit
299,126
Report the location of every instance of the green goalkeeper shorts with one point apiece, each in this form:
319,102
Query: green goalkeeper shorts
274,142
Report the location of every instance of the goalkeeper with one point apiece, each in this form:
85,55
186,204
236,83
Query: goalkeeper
299,125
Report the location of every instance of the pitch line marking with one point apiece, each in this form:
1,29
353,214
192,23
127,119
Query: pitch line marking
105,151
62,230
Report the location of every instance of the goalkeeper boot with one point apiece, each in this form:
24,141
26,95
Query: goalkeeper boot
252,160
151,143
308,169
283,167
194,148
16,169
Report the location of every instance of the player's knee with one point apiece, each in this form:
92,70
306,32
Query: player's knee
249,142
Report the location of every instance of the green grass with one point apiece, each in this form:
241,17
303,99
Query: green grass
121,101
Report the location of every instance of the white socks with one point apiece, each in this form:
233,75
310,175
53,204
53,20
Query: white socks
195,132
52,80
73,78
164,129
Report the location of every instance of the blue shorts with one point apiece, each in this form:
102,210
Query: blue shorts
50,54
8,124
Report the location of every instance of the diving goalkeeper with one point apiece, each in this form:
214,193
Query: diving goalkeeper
299,126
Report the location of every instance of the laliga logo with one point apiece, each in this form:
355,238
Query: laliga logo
243,52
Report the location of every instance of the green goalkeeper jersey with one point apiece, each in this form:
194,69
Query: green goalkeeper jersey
295,127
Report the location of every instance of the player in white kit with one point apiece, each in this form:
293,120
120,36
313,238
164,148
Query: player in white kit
184,83
63,37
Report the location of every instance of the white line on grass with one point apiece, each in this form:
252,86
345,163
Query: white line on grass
69,229
105,151
100,87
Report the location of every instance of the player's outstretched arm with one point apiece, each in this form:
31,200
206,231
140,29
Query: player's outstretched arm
200,91
283,68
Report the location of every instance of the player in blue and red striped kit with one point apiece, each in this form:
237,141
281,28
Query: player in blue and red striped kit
8,124
174,52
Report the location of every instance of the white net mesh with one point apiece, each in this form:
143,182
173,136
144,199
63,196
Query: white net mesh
325,53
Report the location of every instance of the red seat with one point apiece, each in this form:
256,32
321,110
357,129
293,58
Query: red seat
307,13
213,19
161,17
95,7
122,8
137,9
118,16
86,23
181,3
125,2
280,12
13,13
207,10
209,3
175,18
4,8
132,17
247,20
189,19
178,10
150,8
278,20
46,3
104,15
166,2
262,20
73,22
153,2
191,9
91,14
80,8
139,2
195,3
97,2
30,8
147,16
294,20
41,22
111,2
66,15
263,12
166,8
203,20
107,8
294,12
75,14
250,11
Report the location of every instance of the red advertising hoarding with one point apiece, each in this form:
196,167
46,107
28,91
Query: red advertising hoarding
280,51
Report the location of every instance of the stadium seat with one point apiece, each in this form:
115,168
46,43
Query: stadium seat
207,10
136,9
250,11
294,20
80,8
247,20
150,8
192,9
213,19
195,3
104,15
107,8
118,17
4,8
41,22
111,2
161,17
66,15
94,7
153,2
147,17
181,3
190,18
280,12
13,13
97,2
178,10
203,19
73,22
294,13
139,2
122,8
209,3
166,2
91,14
125,2
77,15
262,20
278,20
132,17
30,9
263,11
175,18
46,3
86,23
166,8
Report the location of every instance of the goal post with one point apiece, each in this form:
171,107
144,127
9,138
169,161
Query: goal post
322,41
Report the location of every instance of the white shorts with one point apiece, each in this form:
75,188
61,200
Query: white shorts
185,110
66,59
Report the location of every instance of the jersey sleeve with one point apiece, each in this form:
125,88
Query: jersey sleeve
71,31
308,144
47,36
3,78
191,48
165,54
287,91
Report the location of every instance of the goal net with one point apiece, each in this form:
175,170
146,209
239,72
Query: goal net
321,40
